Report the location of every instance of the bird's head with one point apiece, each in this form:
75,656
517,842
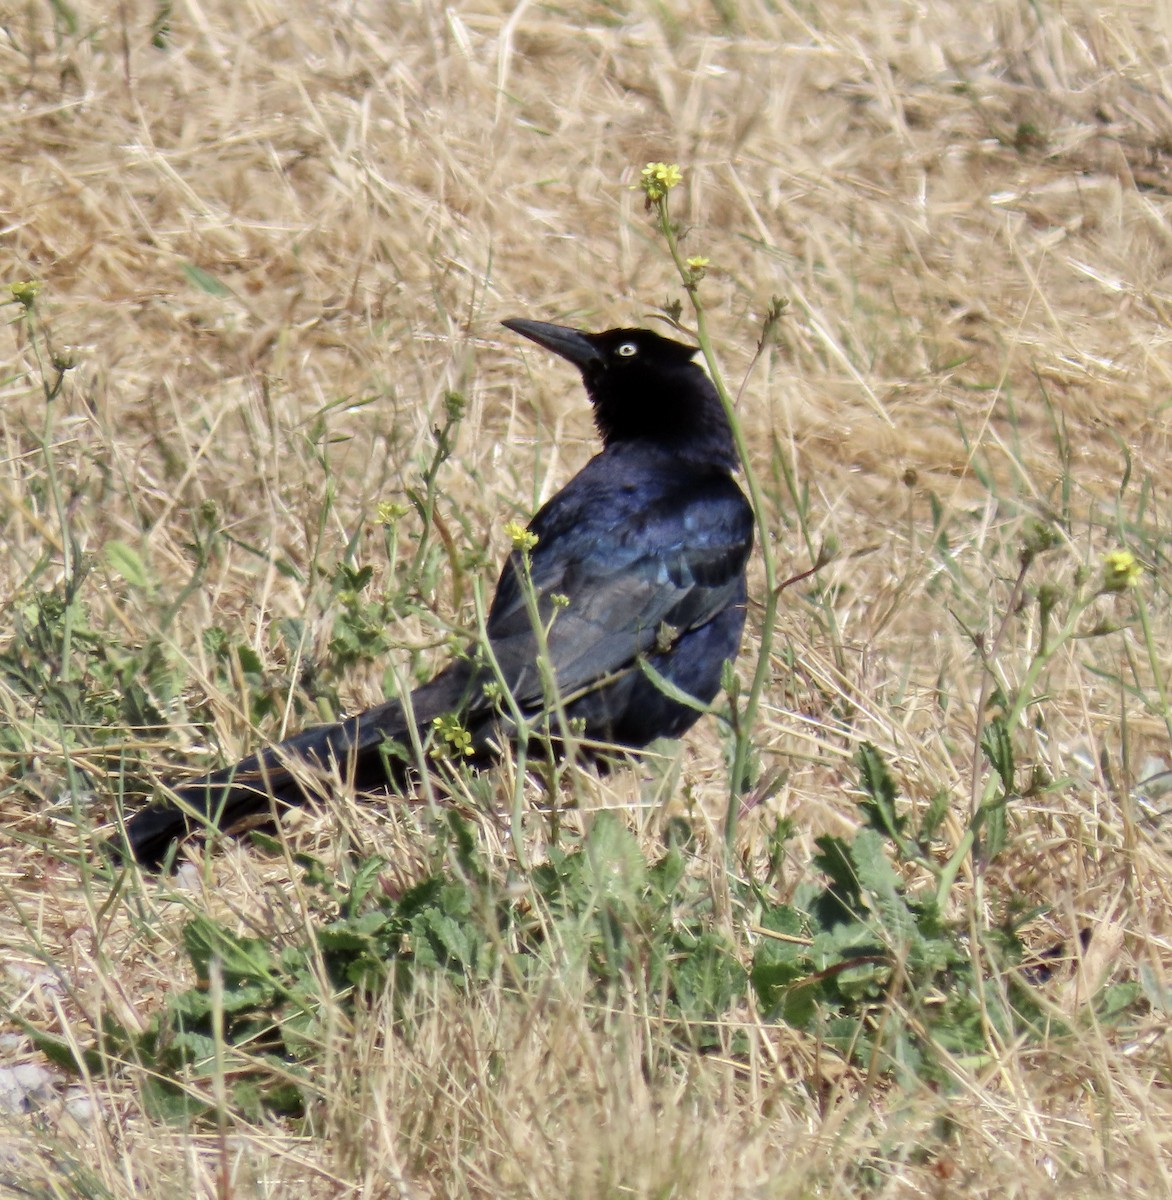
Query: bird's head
644,387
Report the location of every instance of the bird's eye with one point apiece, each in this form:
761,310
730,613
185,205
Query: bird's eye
627,350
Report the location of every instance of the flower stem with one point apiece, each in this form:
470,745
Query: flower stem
744,725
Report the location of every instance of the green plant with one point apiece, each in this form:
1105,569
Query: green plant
867,955
657,181
881,968
598,919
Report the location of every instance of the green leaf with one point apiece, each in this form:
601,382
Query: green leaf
58,1050
255,1100
441,941
206,282
876,781
934,814
617,866
786,920
671,690
168,1102
998,748
353,933
873,870
841,901
774,983
190,1048
990,820
126,562
863,980
799,1003
249,660
1118,1000
778,963
667,875
883,888
365,880
241,960
708,979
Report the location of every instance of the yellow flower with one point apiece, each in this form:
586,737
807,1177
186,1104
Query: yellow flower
659,178
455,738
25,292
388,512
1121,571
697,268
522,538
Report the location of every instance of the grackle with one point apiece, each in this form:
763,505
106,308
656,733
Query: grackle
633,596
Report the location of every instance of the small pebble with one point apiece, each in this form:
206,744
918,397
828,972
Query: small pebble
24,1087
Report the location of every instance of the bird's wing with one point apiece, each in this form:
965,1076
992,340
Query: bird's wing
636,569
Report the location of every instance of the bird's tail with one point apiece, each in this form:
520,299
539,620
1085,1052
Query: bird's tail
370,751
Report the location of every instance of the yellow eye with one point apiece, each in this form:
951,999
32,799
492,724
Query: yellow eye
627,350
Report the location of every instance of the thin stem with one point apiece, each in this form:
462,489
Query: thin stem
36,335
1154,661
744,725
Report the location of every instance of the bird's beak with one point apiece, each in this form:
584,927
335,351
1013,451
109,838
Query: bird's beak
572,344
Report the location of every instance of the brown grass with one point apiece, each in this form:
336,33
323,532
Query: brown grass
967,207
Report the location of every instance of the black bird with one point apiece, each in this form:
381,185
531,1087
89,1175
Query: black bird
638,574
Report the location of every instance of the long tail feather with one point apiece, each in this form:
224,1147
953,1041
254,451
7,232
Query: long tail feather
281,776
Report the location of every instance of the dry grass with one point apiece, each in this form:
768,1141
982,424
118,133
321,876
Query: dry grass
968,209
